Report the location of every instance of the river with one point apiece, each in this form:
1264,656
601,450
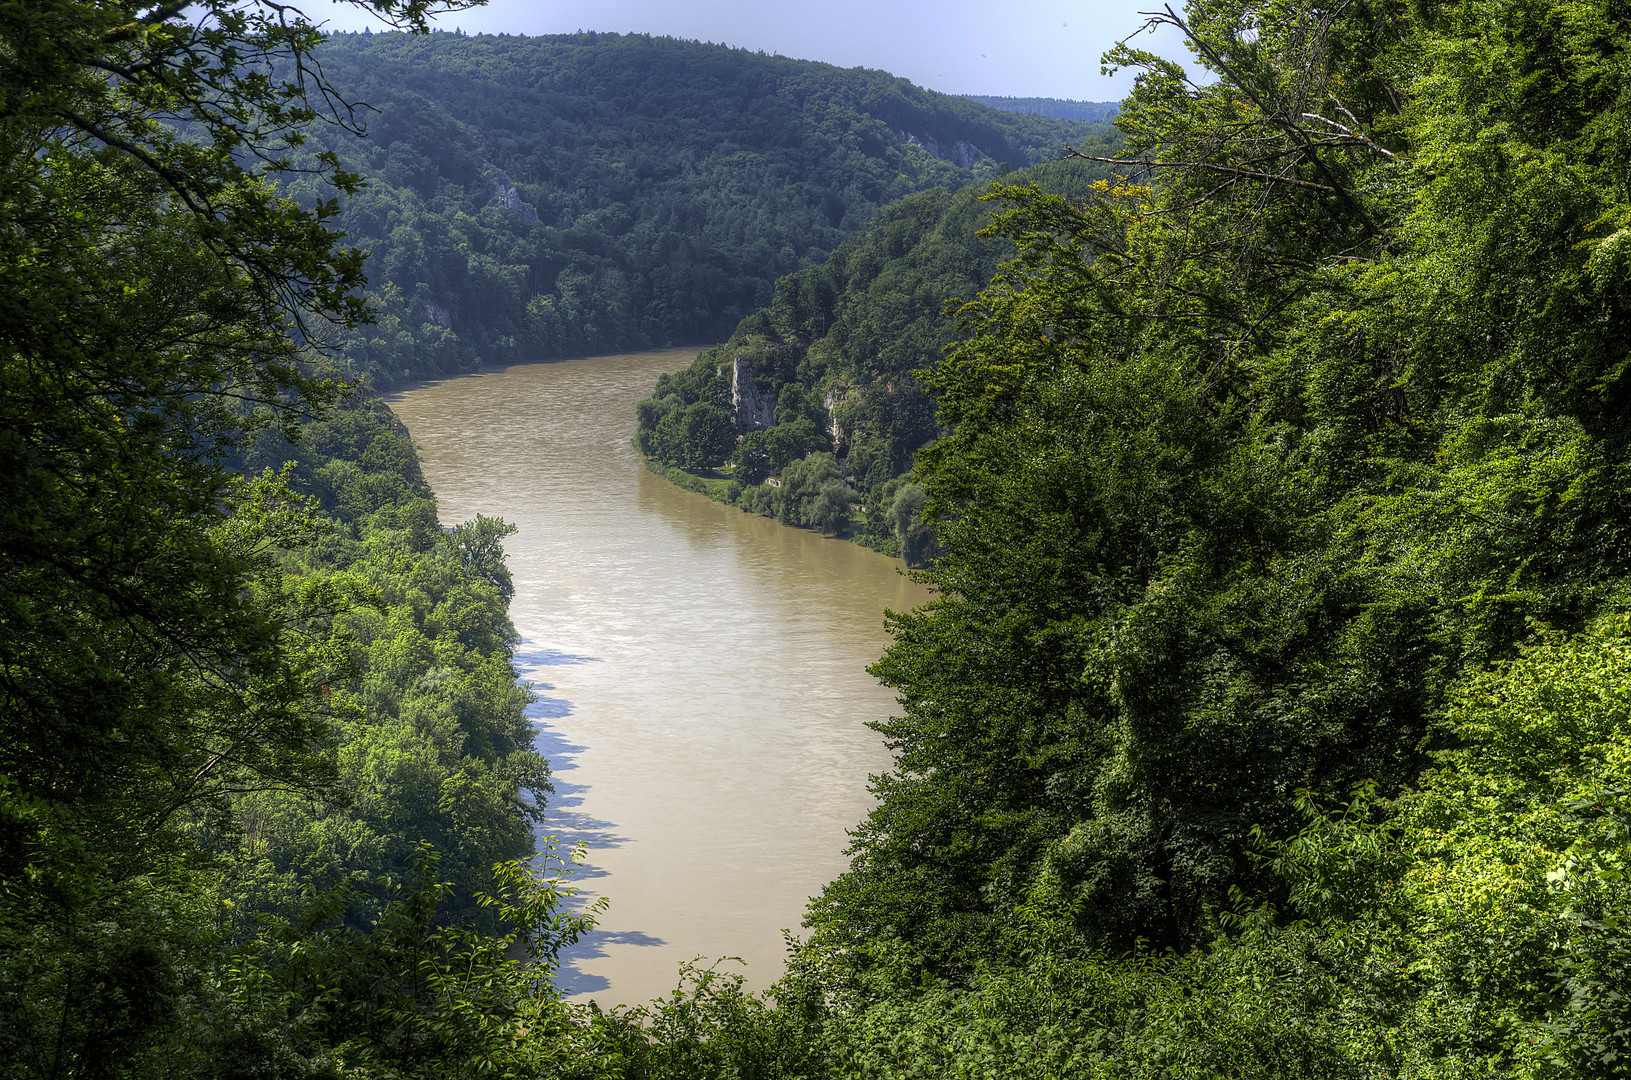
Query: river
700,672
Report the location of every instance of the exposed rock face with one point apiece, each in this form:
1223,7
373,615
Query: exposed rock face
754,409
504,195
840,445
436,313
961,153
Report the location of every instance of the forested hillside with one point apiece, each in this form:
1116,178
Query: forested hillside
1272,718
260,740
833,365
539,197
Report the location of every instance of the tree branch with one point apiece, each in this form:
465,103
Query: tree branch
1243,173
1299,137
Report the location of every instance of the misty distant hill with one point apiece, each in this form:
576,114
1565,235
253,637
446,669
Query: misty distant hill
1087,112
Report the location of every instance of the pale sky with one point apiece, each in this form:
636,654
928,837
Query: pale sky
1016,48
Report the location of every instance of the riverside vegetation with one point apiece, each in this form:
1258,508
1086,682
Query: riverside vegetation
1272,718
835,360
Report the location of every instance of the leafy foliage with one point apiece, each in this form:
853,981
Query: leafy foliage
1275,480
227,676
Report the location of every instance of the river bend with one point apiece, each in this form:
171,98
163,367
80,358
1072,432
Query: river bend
700,672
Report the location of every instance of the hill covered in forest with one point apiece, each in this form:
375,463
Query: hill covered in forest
536,197
830,370
1271,715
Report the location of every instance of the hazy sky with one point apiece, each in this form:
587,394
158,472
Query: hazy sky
1018,48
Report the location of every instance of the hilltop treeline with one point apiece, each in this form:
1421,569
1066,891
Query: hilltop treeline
650,191
1088,112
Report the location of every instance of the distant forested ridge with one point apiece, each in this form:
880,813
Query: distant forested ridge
1088,112
550,196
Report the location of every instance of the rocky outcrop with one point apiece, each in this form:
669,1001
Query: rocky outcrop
504,195
961,153
840,445
436,313
754,409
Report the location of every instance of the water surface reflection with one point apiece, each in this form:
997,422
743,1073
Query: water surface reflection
703,697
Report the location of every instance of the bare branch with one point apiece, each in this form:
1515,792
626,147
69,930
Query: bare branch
1354,137
1299,137
1244,174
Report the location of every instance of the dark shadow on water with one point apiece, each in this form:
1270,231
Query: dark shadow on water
592,946
572,981
546,708
550,742
563,821
565,825
568,829
530,658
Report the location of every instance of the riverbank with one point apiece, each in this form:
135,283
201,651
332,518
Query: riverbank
765,500
701,673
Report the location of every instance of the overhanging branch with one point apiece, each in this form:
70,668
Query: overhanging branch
1228,170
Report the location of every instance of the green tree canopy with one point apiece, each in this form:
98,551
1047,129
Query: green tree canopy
154,659
1249,458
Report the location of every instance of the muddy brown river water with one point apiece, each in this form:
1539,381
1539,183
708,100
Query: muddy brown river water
700,672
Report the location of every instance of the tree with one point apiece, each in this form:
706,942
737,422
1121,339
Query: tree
410,997
1247,460
480,544
707,435
830,511
790,442
750,461
153,659
156,282
915,538
812,489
